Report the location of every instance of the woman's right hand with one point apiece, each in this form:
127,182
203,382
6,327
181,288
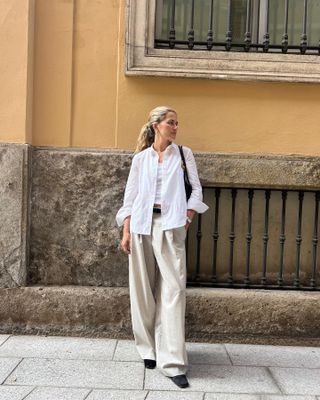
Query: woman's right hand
125,243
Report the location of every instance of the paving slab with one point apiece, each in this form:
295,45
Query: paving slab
126,351
297,381
47,393
198,353
78,373
58,347
274,356
206,353
286,397
14,392
229,396
3,338
117,395
218,378
6,366
164,395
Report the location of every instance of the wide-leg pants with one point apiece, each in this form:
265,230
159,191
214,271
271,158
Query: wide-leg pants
157,280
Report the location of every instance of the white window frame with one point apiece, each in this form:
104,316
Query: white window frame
143,59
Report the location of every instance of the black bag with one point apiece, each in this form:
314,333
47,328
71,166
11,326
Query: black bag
187,183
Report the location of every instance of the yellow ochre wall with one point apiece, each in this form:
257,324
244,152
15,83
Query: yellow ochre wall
81,97
16,64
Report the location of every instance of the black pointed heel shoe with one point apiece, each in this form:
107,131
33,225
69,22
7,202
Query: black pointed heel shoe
151,364
180,380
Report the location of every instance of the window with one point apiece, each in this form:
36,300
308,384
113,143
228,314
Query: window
149,51
239,25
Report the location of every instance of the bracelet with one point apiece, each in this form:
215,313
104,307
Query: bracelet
189,220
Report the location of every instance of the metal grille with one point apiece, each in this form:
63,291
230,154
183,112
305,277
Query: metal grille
252,31
255,238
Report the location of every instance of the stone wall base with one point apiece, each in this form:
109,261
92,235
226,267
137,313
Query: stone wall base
213,315
58,207
76,194
57,227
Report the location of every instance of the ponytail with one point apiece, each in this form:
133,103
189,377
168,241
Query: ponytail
147,133
145,138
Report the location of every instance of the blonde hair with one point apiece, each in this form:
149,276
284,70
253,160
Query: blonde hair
147,133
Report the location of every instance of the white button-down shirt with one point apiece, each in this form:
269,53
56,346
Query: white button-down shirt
141,190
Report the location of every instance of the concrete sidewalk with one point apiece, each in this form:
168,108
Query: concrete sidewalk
71,368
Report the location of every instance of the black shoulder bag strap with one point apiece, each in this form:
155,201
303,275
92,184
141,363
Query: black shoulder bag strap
187,183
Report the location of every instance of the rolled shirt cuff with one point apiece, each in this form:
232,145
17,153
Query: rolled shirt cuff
122,214
197,205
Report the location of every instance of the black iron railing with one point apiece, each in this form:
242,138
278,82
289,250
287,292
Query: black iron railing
256,36
255,238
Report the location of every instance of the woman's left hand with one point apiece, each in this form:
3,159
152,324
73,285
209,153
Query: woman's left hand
190,215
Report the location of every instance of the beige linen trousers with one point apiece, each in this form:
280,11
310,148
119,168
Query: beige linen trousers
157,281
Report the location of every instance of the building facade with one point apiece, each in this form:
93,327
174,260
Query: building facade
78,79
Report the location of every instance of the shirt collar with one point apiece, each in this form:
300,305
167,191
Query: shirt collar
170,148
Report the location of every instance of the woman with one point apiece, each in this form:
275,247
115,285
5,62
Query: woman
155,217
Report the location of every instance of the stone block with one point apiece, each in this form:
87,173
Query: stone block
218,378
212,315
228,396
7,365
3,338
74,237
15,392
54,393
286,397
302,381
259,170
165,395
66,311
274,356
117,395
78,373
252,315
126,351
14,199
65,347
202,353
